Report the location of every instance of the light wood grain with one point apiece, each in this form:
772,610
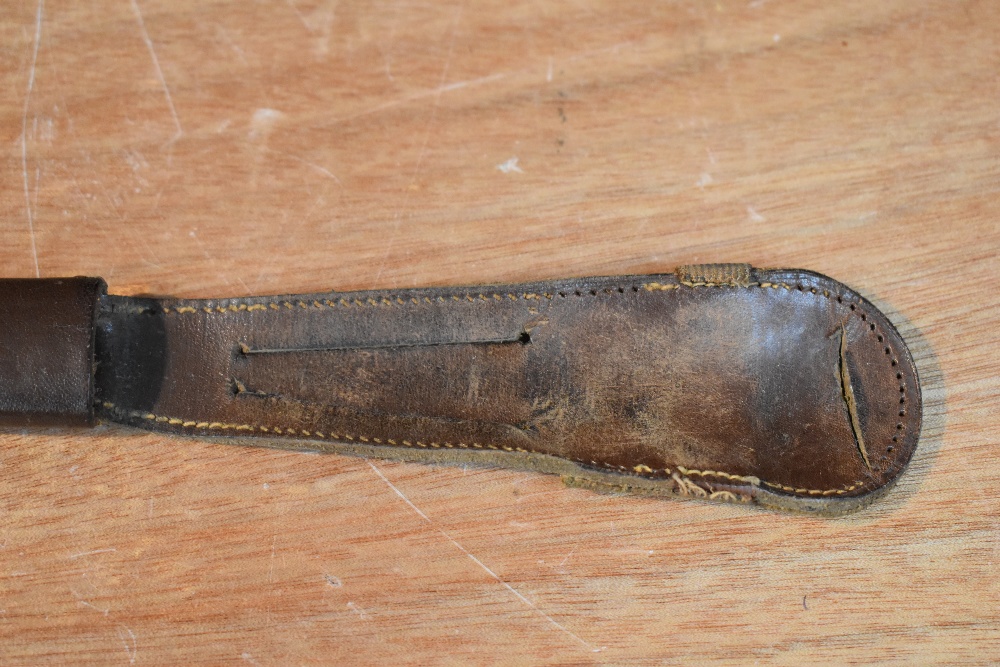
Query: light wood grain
222,149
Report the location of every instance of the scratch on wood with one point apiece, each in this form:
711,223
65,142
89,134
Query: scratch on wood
357,610
159,71
483,566
423,148
24,134
85,603
510,166
318,168
400,493
128,640
458,85
91,553
441,88
614,48
270,570
302,19
429,92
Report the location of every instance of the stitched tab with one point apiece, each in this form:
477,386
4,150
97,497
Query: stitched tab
737,275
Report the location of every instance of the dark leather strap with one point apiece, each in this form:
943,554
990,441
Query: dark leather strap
778,387
47,350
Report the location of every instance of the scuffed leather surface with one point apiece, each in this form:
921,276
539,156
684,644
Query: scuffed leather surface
727,385
47,350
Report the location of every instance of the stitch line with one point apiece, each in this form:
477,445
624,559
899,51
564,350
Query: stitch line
641,469
750,479
343,302
390,300
587,482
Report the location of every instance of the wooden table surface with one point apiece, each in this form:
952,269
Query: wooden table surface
230,148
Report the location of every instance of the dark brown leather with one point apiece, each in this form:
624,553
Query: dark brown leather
47,350
777,387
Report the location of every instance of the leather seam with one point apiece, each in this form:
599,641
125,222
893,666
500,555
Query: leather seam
344,302
641,470
279,303
685,487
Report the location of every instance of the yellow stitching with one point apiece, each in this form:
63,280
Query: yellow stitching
783,487
641,469
686,487
688,283
755,481
585,482
749,479
388,300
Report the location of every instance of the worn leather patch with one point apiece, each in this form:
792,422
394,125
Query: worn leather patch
782,388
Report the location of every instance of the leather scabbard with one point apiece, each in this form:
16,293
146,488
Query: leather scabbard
782,388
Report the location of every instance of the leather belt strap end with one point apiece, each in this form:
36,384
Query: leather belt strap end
776,387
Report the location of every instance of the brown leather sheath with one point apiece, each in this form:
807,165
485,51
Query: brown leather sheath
781,388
